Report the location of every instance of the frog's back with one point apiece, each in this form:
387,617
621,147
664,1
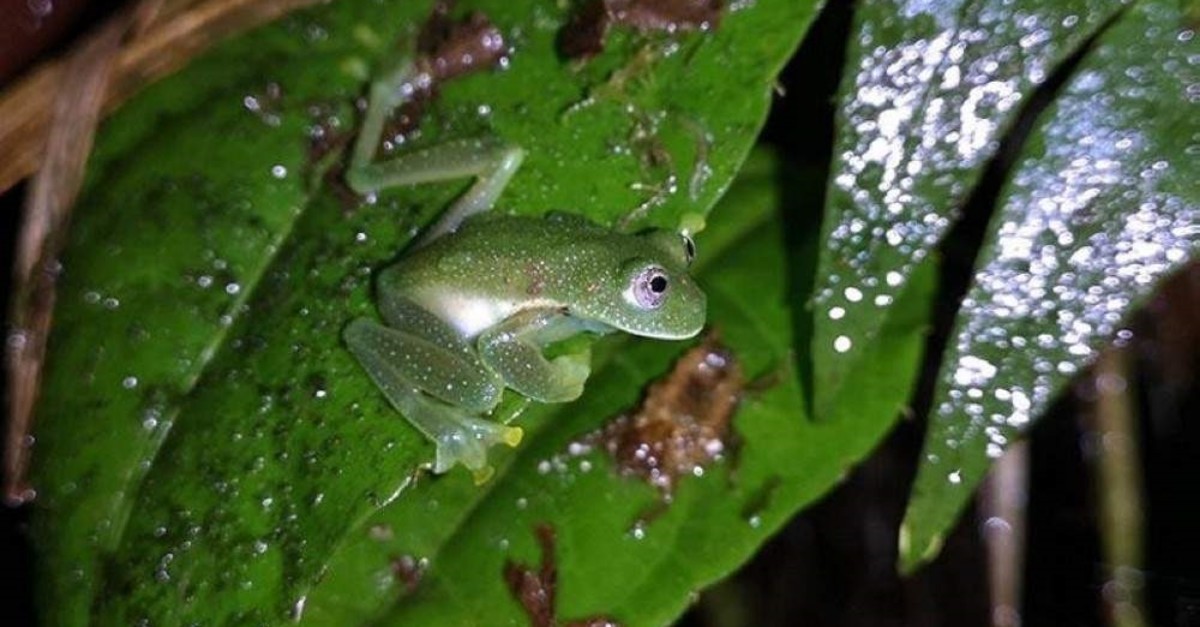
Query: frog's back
494,266
523,239
497,245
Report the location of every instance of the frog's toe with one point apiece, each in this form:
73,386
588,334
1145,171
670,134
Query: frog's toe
468,445
483,475
490,433
457,447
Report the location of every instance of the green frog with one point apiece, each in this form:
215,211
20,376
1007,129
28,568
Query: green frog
470,309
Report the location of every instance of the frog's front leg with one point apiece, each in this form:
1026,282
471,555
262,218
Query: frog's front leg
493,163
514,349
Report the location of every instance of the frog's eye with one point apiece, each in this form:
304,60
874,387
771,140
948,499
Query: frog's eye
689,248
650,287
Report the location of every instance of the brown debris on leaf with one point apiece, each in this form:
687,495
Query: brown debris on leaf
535,589
585,33
449,49
683,423
408,571
446,49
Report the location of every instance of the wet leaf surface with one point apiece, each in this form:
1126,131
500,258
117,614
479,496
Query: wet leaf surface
929,90
209,452
205,442
1100,207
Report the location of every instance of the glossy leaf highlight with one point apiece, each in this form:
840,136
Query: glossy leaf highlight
1100,207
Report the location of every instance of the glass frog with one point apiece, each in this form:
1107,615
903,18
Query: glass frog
470,309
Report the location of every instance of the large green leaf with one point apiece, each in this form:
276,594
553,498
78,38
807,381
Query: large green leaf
608,564
929,90
1101,205
204,441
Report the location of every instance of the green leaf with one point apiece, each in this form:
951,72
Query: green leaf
1101,206
205,442
928,91
608,564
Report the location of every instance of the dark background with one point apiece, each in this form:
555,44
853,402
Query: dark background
834,564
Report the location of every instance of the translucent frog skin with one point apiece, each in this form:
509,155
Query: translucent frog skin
471,309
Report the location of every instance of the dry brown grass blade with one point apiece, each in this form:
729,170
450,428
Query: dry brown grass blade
74,116
168,38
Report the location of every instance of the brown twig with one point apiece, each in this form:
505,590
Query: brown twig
1002,509
1118,475
75,114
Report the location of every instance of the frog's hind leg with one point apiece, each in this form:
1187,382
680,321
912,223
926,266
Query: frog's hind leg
402,314
458,376
398,358
409,368
392,89
492,162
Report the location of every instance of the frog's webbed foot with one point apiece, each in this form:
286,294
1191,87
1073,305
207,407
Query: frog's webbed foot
459,437
467,444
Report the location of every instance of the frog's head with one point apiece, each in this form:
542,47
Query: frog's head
657,296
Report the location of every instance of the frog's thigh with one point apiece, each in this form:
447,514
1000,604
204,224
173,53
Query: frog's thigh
513,349
401,360
402,314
